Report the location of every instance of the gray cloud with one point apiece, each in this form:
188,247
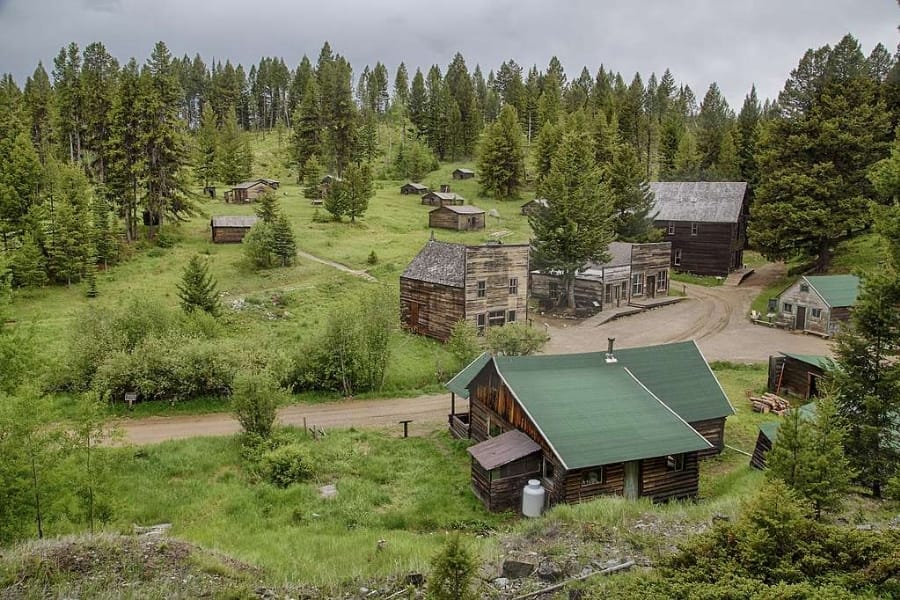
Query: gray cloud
735,43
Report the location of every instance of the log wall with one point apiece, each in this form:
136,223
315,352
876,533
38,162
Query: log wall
714,432
715,250
763,445
229,235
661,484
650,260
440,307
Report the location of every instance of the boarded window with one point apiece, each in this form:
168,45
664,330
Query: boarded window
496,318
695,228
662,280
481,289
671,229
479,322
527,465
787,307
678,257
675,462
637,284
514,285
816,313
592,477
510,316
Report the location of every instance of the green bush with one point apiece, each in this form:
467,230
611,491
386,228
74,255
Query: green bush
285,465
255,404
464,344
515,339
452,572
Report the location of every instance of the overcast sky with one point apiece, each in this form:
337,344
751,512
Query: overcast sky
733,42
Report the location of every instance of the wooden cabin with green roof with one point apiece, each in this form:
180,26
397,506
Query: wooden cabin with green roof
631,422
798,374
819,304
768,432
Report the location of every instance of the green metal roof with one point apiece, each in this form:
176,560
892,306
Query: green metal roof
770,429
836,290
458,384
815,360
592,413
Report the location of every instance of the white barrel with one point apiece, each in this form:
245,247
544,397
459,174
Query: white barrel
533,498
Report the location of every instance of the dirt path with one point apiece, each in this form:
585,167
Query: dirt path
336,265
426,413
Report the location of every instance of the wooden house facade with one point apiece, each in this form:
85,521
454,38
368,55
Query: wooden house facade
413,188
802,375
442,199
230,230
634,271
460,218
818,304
446,283
463,174
705,221
621,422
248,191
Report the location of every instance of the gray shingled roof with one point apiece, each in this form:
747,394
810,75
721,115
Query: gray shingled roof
462,210
701,201
444,196
418,186
247,184
461,170
233,221
439,262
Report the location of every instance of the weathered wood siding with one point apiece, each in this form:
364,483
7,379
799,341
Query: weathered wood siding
432,199
714,432
578,491
587,291
715,250
763,445
793,298
447,219
229,235
495,265
502,493
429,308
794,378
652,260
661,484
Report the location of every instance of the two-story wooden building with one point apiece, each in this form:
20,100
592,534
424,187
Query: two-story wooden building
706,221
819,304
631,422
638,271
446,283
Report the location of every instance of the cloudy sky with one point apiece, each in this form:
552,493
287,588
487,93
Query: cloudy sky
733,42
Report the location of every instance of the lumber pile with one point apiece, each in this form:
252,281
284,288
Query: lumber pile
770,403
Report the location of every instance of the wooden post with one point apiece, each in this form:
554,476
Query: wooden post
452,404
406,427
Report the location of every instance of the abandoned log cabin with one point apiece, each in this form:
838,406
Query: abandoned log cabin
633,271
463,174
443,199
446,283
248,191
532,206
768,433
230,229
798,374
460,218
631,422
413,188
705,221
819,304
272,183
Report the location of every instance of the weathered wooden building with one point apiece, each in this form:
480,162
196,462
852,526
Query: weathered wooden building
443,199
230,229
534,205
634,271
413,188
446,283
798,374
632,422
819,304
706,222
460,218
248,191
463,174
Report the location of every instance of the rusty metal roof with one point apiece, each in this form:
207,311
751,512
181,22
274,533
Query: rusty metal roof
503,449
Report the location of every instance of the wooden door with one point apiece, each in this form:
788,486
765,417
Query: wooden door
618,292
650,292
801,318
632,479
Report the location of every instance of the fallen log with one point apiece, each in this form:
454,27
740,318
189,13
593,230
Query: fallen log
620,567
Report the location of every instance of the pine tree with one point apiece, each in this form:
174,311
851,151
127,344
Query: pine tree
197,290
686,165
306,138
205,163
358,189
418,99
728,165
267,207
631,196
401,85
29,267
234,156
126,160
283,244
312,178
452,572
749,121
713,121
501,160
544,149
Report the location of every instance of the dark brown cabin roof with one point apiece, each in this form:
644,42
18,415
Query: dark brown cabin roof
466,171
503,449
233,221
700,201
462,210
439,262
417,186
249,184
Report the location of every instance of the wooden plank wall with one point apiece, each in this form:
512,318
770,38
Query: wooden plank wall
714,432
496,265
810,300
440,307
576,491
763,445
650,259
796,377
707,253
661,484
229,235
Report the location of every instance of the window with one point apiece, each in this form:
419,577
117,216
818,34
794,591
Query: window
593,476
494,428
675,462
510,316
609,289
548,469
695,228
496,318
788,308
804,287
637,284
479,323
481,289
816,313
513,286
531,464
671,229
678,257
662,281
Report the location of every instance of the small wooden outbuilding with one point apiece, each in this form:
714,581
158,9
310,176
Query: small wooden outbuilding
534,205
413,188
442,199
798,374
819,304
248,191
768,433
463,174
460,218
230,229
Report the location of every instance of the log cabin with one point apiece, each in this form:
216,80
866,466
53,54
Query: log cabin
532,206
248,191
446,283
633,271
768,433
460,218
413,188
443,199
463,174
230,229
798,374
631,422
819,304
706,222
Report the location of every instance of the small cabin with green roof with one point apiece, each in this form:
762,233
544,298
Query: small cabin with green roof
819,304
768,432
798,374
631,422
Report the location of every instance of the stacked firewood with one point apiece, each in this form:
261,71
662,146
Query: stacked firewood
770,403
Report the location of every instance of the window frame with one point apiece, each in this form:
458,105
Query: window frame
481,289
496,315
662,280
513,286
637,284
787,307
675,463
480,323
510,316
600,478
676,257
695,228
670,230
815,313
804,288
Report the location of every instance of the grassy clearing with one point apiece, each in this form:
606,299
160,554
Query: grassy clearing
862,253
704,280
761,303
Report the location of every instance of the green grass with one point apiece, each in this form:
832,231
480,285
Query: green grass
761,302
862,253
704,280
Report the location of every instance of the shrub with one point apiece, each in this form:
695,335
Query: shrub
259,245
285,465
464,343
515,339
255,403
452,572
373,258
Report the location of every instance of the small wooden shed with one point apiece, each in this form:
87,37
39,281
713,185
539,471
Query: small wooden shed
798,374
534,205
248,191
461,218
819,304
443,199
227,230
413,188
463,174
768,433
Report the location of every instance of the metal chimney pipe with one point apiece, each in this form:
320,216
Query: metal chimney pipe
610,357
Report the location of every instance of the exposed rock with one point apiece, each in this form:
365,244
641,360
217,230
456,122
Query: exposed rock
501,582
549,571
328,491
416,579
516,569
866,527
